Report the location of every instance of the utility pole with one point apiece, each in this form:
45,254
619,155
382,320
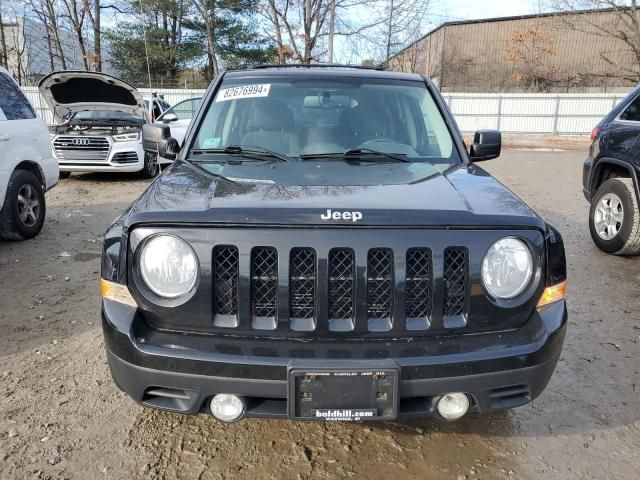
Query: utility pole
3,42
97,47
332,27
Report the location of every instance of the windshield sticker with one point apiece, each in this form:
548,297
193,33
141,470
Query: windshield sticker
246,91
211,142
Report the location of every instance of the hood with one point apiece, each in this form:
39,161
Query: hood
463,196
69,92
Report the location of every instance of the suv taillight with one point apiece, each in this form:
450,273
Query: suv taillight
595,133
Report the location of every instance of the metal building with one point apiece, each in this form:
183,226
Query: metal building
553,52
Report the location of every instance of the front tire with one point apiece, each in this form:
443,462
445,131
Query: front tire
150,168
614,217
22,215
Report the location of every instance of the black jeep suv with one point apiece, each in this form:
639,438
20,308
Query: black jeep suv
324,247
610,179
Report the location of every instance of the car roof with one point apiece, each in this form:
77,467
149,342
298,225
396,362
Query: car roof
322,71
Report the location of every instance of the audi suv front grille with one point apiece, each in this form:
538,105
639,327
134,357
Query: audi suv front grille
81,150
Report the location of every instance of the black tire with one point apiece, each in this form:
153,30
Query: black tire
13,224
626,241
150,169
64,175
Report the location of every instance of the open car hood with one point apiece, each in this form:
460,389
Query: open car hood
71,91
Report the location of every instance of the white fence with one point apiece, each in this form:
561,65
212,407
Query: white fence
562,114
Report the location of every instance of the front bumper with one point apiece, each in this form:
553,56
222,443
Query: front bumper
182,372
122,157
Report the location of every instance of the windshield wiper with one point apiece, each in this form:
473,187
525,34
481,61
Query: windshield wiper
219,176
242,151
355,154
359,152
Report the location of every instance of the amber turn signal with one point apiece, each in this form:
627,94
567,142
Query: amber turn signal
553,294
116,292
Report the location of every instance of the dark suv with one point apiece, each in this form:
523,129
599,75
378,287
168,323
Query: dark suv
610,179
325,247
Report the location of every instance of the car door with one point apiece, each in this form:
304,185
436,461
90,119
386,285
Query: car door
22,135
184,112
621,139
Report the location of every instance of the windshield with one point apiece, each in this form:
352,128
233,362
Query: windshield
323,116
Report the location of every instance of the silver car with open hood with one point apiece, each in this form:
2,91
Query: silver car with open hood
98,123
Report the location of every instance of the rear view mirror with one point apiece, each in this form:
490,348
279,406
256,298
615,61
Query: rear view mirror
486,145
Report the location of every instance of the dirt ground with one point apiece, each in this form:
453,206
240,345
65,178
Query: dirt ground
61,417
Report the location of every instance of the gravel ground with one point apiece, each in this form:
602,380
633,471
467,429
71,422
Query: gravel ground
61,417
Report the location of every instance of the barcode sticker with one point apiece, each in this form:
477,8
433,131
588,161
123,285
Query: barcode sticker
246,91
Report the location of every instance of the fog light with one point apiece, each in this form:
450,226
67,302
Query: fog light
452,406
226,407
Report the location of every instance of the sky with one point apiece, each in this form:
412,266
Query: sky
446,10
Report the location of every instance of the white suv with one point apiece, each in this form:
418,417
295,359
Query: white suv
100,119
27,165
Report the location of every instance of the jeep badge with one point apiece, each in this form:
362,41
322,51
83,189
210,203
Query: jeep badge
353,216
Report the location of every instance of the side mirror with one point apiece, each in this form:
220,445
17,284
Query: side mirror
170,149
486,145
156,138
169,117
153,135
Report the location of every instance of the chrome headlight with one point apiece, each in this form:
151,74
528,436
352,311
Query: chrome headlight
127,137
507,268
168,266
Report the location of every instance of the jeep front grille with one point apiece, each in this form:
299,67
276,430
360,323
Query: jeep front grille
302,283
264,287
302,288
379,289
455,286
342,276
418,288
225,284
81,150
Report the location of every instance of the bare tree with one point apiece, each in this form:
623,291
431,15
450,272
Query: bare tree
301,20
94,13
207,11
531,52
16,44
306,30
618,21
3,42
76,14
270,11
401,20
46,11
408,60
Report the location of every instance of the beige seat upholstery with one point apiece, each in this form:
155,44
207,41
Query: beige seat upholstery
272,126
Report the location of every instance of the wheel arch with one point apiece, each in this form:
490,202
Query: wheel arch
33,167
608,168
